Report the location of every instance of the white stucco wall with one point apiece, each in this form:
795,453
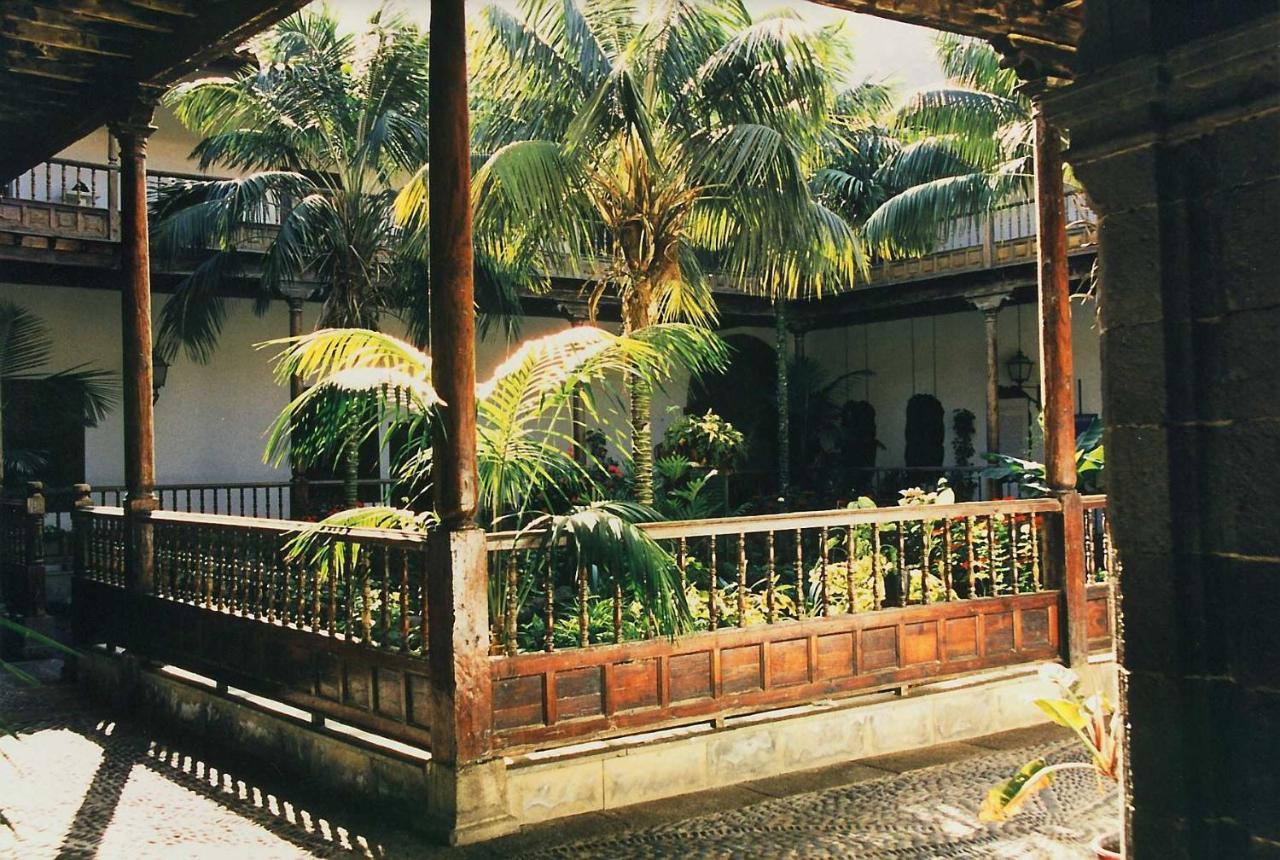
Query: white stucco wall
956,374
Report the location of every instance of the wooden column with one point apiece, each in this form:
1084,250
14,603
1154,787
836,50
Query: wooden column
299,492
990,307
458,644
1066,540
132,132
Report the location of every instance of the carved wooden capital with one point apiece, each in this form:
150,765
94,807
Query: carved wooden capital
136,121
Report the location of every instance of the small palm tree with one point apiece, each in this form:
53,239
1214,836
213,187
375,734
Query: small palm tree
365,379
82,393
955,152
655,143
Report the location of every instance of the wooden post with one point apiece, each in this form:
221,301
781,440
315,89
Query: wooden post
113,186
457,605
466,783
1066,538
33,584
132,132
299,491
990,307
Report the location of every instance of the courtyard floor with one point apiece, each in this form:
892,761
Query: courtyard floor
78,782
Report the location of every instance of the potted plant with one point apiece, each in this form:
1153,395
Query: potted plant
1097,725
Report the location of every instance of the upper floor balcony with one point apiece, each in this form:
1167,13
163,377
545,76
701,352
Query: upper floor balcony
68,212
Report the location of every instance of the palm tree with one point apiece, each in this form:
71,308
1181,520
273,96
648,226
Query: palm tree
367,379
957,151
81,393
655,143
322,124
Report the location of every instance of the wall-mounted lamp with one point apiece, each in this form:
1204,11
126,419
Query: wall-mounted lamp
159,375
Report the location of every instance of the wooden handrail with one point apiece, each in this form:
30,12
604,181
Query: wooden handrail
805,520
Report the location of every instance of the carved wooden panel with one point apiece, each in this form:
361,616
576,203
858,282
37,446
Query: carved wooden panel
612,689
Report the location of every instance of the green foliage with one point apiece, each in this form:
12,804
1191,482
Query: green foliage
957,151
705,440
1029,475
81,393
322,127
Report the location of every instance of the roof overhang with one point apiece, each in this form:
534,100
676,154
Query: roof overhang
69,66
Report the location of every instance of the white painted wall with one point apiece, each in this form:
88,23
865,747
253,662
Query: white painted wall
949,363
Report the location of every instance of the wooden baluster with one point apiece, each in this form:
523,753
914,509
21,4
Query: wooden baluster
404,601
682,561
971,557
993,572
617,612
550,609
310,577
510,607
742,579
926,546
384,599
877,568
1035,551
584,609
824,564
850,553
332,584
772,572
946,559
904,580
1013,551
262,583
713,612
366,595
802,598
422,599
1109,547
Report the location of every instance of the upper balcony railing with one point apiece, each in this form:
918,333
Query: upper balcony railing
86,199
81,199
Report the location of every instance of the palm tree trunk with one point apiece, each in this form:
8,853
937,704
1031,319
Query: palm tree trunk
783,403
641,397
351,472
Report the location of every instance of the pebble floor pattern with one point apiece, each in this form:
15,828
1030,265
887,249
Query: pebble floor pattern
76,783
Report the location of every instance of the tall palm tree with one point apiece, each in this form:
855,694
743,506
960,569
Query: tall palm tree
956,151
322,124
81,393
655,142
526,464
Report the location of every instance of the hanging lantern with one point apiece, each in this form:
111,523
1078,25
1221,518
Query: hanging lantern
1019,368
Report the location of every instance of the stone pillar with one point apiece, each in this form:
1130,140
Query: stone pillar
132,132
1065,538
1175,134
467,795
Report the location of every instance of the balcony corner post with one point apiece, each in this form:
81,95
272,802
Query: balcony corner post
1066,538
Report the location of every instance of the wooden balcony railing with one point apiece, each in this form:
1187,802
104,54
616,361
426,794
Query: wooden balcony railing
86,199
788,608
343,640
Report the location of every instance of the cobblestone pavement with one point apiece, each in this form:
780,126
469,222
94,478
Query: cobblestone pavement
77,783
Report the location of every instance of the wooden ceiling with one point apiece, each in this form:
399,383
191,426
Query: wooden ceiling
1037,37
69,66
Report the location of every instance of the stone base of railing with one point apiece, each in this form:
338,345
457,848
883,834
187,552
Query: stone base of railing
500,796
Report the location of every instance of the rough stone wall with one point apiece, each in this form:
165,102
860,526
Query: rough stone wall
1180,151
